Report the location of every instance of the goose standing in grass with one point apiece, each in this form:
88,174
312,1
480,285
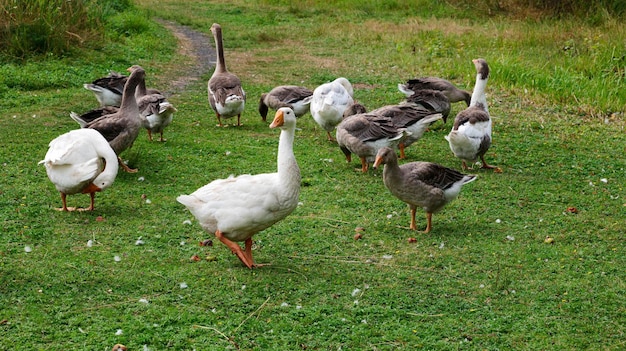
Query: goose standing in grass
470,137
421,184
364,134
450,90
154,107
226,95
121,128
411,117
236,208
80,161
296,97
329,102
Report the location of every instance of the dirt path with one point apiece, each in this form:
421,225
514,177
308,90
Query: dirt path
195,45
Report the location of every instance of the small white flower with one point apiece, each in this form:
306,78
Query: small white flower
387,257
182,243
512,291
441,246
183,285
329,160
389,216
284,304
591,183
145,348
481,286
243,287
364,321
298,307
343,319
148,201
498,220
604,180
119,332
141,179
214,310
81,330
300,203
143,301
510,237
187,221
117,258
89,243
27,249
355,292
356,302
227,153
139,241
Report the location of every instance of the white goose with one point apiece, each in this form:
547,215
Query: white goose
226,95
236,208
470,137
80,161
329,102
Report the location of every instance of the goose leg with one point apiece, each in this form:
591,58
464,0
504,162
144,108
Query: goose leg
364,165
64,201
485,165
330,138
236,249
429,224
401,147
219,120
162,139
239,120
249,254
125,167
149,134
413,226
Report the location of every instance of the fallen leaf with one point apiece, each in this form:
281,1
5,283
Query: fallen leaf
572,210
358,236
195,258
99,219
548,240
412,240
207,242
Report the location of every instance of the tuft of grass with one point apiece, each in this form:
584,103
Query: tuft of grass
484,278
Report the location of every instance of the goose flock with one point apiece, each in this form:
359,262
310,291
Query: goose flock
234,209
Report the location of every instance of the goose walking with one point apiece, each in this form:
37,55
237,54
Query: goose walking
470,137
226,95
236,208
421,184
450,90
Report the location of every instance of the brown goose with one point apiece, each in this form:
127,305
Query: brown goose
421,184
432,100
364,134
154,107
226,95
470,137
414,118
295,97
121,128
453,93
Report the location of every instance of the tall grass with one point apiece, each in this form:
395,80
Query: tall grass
34,27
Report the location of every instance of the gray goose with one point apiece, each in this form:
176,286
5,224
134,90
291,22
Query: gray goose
414,118
450,90
295,97
121,128
432,100
108,90
154,107
364,134
226,95
470,137
421,184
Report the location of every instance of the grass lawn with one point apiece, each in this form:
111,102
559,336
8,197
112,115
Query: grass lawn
485,277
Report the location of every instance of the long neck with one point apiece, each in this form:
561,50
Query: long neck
129,102
107,176
141,89
478,95
286,159
219,46
391,170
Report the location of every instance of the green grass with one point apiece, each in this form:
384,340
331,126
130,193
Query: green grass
483,279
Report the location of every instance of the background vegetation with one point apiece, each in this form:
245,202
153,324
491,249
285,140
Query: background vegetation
483,279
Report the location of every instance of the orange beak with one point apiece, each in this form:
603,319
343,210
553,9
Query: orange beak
279,119
378,161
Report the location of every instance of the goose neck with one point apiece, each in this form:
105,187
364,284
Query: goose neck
478,94
219,47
